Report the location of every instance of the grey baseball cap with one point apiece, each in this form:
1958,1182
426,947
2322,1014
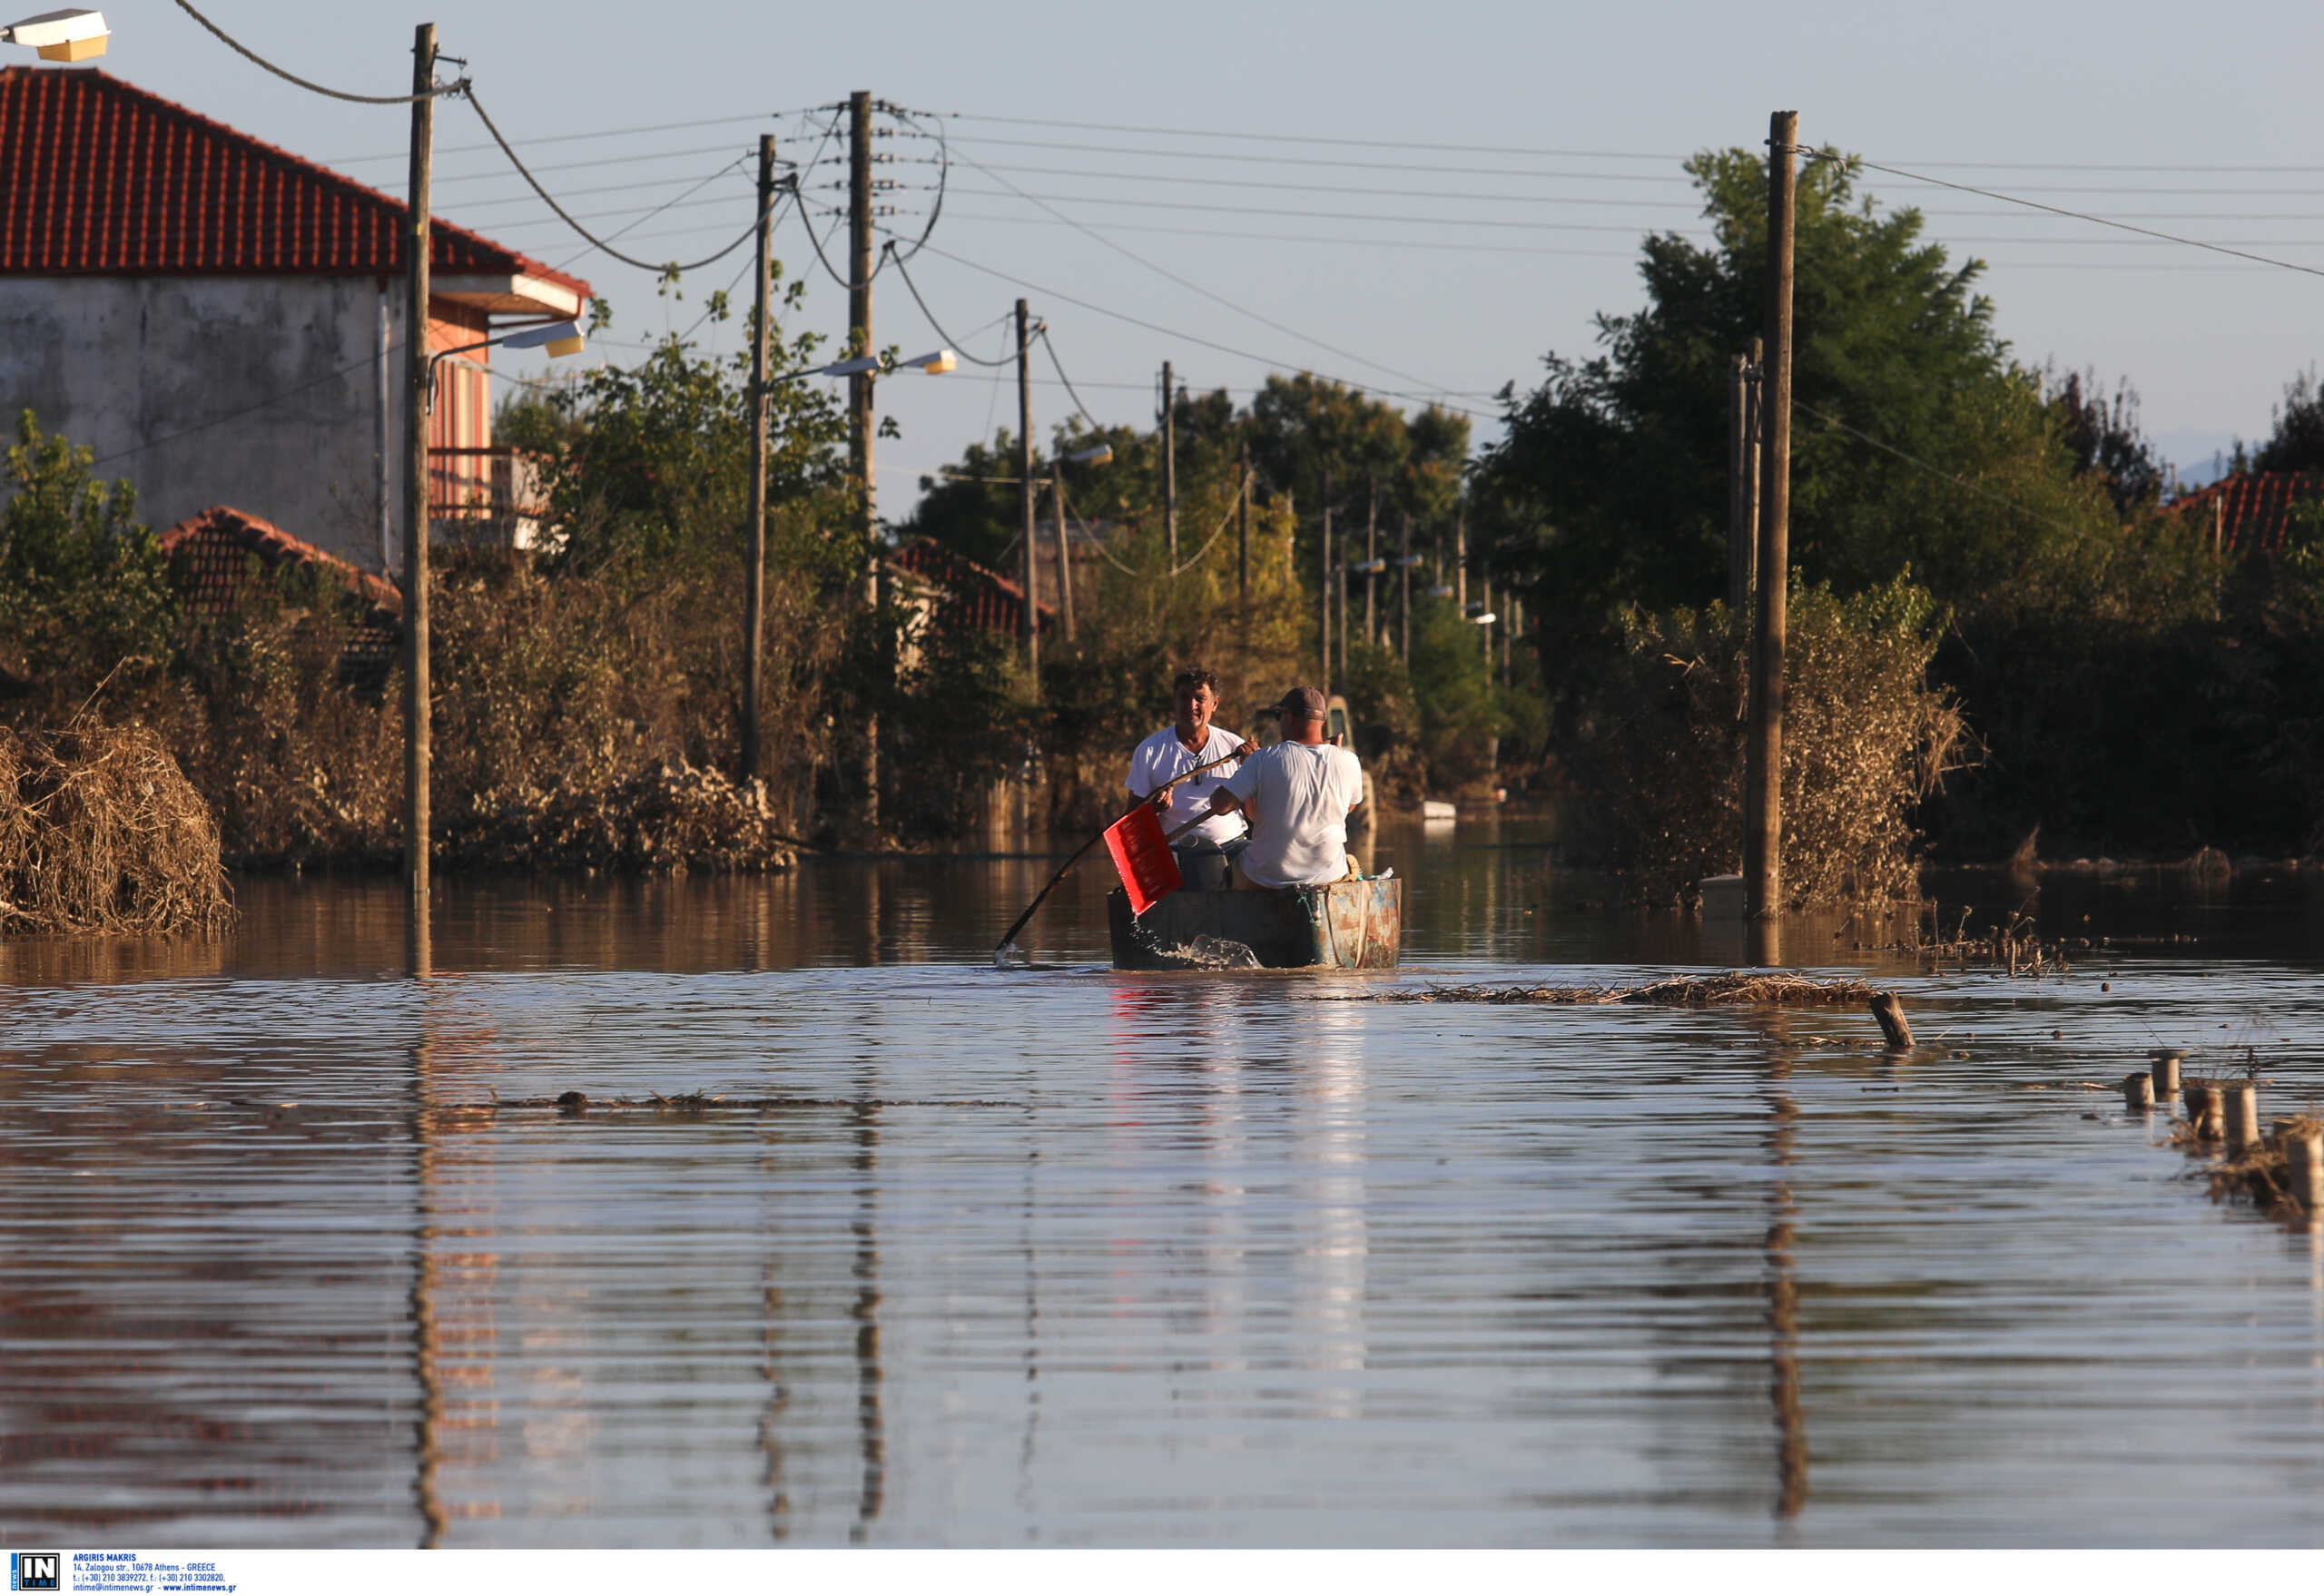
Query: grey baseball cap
1303,703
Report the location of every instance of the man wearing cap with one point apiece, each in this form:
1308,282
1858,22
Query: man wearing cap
1297,795
1191,742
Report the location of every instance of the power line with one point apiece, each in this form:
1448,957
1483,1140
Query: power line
611,133
478,106
956,345
239,48
1123,316
1193,287
1208,133
1276,158
1061,377
2057,210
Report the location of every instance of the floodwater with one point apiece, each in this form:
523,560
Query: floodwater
1059,1256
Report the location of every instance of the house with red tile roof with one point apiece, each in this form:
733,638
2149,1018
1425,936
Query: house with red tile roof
2249,513
221,321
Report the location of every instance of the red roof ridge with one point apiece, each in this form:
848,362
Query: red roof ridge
452,246
257,535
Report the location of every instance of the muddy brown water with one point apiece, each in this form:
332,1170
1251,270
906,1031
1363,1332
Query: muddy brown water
1059,1257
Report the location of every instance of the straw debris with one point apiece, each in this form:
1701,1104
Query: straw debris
100,831
669,818
2261,1175
1774,990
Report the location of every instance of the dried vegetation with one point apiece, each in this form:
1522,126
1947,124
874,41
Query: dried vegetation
1776,990
100,832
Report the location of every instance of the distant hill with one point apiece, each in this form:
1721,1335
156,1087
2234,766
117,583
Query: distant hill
2199,458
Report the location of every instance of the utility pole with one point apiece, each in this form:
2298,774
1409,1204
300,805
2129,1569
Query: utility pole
1372,552
1064,568
860,423
1404,589
1170,461
417,760
1461,558
1243,536
1762,766
1324,587
755,573
1743,480
1031,626
1486,628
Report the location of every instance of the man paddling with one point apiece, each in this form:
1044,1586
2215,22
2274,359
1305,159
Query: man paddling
1204,852
1297,794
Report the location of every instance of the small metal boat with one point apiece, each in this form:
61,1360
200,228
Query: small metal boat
1347,925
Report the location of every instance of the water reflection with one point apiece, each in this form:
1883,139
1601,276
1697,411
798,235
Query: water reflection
1065,1256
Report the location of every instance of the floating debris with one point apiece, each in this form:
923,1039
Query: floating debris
1690,992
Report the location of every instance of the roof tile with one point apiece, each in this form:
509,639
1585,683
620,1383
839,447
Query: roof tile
99,176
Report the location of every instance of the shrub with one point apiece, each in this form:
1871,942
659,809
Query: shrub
1659,763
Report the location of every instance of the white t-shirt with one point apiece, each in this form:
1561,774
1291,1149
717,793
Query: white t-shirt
1163,757
1298,795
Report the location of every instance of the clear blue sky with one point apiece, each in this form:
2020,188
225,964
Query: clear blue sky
1457,267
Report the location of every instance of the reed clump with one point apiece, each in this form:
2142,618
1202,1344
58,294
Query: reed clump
1774,988
100,831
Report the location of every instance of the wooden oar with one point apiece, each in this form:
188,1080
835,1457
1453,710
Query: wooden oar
1010,935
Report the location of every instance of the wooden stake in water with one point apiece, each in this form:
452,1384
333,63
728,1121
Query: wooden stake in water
2138,1093
2304,1164
1890,1013
2240,1108
2202,1108
2166,1073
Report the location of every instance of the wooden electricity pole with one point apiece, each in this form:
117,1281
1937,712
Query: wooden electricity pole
1743,479
1372,552
1404,589
1064,569
1461,560
1762,766
862,425
1243,536
416,703
1170,461
754,571
1031,624
1324,587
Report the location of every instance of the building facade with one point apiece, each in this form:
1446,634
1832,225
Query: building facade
223,321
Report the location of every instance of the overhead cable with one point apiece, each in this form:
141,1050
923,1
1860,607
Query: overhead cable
957,347
748,233
1193,287
1206,132
2059,210
610,132
239,48
1061,377
1424,398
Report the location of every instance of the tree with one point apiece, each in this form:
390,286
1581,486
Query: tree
1917,442
83,590
2296,442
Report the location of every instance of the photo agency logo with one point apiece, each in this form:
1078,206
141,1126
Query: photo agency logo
35,1570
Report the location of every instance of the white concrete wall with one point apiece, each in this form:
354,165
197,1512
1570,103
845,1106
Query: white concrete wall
261,393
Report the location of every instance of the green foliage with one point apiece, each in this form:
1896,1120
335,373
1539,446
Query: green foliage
1916,441
2296,441
647,469
84,592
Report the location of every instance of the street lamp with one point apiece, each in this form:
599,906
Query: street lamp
61,35
558,338
1102,454
935,364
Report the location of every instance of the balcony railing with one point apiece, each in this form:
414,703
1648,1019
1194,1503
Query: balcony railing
490,498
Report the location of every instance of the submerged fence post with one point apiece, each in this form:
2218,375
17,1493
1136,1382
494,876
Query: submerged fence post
2304,1162
2138,1093
2203,1109
2240,1108
2166,1072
